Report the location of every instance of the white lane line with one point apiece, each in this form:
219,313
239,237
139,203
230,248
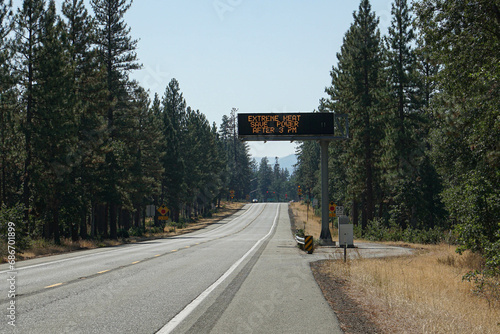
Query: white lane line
104,252
63,260
172,324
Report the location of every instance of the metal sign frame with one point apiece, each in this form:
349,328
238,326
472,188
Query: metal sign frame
323,127
298,126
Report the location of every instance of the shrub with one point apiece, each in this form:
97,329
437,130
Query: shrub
122,233
156,229
135,231
15,215
377,230
300,233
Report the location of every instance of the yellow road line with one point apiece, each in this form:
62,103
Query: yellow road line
104,271
53,285
136,262
157,255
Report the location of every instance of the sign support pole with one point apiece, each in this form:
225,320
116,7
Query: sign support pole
326,236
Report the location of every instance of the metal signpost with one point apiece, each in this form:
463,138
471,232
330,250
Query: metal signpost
323,127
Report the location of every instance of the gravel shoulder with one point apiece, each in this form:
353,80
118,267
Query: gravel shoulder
351,315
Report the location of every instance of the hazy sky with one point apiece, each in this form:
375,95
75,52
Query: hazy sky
254,55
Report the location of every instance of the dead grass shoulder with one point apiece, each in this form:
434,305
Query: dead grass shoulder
40,247
307,220
423,293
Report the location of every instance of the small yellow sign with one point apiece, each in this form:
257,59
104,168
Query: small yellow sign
164,211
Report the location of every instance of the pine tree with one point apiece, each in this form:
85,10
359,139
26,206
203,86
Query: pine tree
174,111
308,164
117,54
463,39
403,149
53,136
28,26
357,90
156,120
10,137
238,170
200,162
264,180
144,151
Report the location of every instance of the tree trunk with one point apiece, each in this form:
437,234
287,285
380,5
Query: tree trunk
364,214
57,237
355,213
83,224
112,221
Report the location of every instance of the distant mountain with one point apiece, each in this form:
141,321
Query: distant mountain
285,162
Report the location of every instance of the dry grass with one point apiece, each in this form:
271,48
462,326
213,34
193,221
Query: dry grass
423,293
308,221
42,247
420,294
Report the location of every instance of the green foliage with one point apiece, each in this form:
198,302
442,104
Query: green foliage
156,230
358,90
377,230
466,134
300,233
82,146
238,172
135,231
13,215
122,233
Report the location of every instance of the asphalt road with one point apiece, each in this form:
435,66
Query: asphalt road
242,275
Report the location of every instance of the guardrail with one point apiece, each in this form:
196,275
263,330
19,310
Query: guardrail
305,243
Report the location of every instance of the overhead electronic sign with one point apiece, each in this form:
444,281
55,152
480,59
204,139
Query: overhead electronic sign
286,126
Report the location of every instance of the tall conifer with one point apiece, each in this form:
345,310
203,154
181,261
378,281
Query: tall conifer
54,135
28,26
118,56
403,145
10,137
357,90
174,112
89,105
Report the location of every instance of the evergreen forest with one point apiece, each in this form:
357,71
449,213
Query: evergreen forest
85,149
422,162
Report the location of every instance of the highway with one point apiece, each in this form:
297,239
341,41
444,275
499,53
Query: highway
241,275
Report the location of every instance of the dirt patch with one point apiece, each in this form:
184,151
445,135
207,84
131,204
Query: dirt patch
351,315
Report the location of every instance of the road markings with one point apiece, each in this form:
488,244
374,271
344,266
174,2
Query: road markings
174,250
107,252
53,285
157,255
172,324
104,271
136,262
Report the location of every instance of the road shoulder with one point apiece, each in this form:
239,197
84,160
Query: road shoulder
280,294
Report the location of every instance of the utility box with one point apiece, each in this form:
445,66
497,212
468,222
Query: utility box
346,235
343,220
